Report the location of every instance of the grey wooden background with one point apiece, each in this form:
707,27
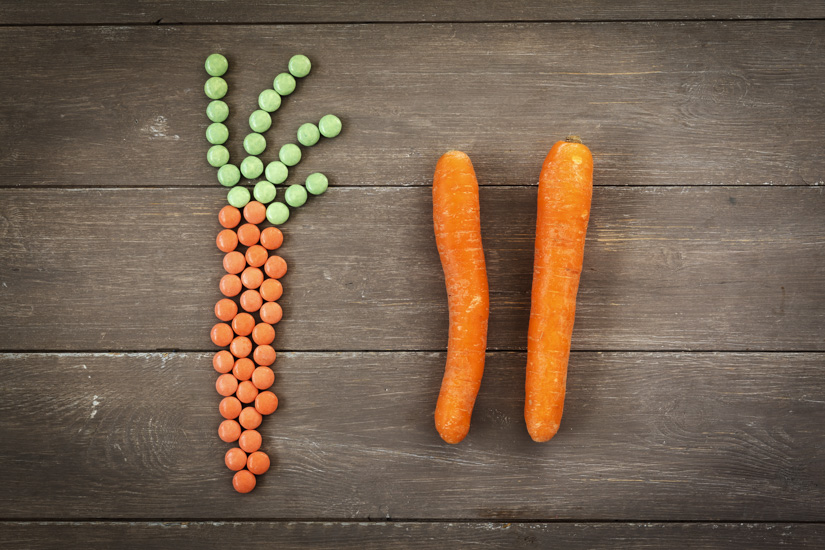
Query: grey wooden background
696,391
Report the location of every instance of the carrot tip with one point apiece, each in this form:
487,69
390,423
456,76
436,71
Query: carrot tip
573,139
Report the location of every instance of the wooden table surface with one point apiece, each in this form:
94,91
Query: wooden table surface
696,391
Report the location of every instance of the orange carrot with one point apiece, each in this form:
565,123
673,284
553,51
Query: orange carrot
457,224
565,189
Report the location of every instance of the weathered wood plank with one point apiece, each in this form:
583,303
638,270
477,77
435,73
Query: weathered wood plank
382,535
21,12
701,103
646,436
665,268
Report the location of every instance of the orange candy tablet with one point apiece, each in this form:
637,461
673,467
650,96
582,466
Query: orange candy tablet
226,309
227,240
264,355
243,368
252,277
258,462
226,385
221,335
241,346
248,234
275,267
230,285
263,334
271,290
263,378
250,441
243,324
272,238
250,418
235,459
243,481
254,212
247,392
271,312
230,407
266,402
229,216
256,255
229,431
234,262
223,361
251,300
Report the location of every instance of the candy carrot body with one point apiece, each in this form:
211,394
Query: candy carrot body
457,224
565,190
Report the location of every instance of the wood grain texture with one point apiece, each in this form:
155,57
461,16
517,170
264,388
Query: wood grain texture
701,103
653,436
425,535
20,12
665,268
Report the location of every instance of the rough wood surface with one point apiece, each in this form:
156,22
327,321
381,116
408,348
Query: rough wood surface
296,11
425,535
696,103
665,268
660,436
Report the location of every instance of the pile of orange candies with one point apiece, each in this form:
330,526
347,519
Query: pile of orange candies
248,312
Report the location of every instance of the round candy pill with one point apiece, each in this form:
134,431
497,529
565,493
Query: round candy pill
262,334
284,84
250,441
229,217
271,312
235,459
264,192
243,481
216,65
251,300
266,402
229,431
252,167
269,100
330,126
230,285
254,212
217,155
241,346
258,462
250,418
299,66
217,111
256,255
252,277
226,309
217,133
243,324
276,172
227,240
229,175
317,183
234,262
277,213
238,196
264,355
244,368
272,238
260,121
226,384
221,334
263,377
248,234
230,407
223,361
295,195
254,144
215,87
290,154
308,134
271,290
275,267
247,392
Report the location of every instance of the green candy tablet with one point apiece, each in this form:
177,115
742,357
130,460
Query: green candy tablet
252,167
238,196
277,213
317,183
215,87
295,195
254,144
308,134
217,133
217,111
264,192
228,175
217,156
260,121
330,126
299,66
216,65
290,154
284,84
269,101
276,172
